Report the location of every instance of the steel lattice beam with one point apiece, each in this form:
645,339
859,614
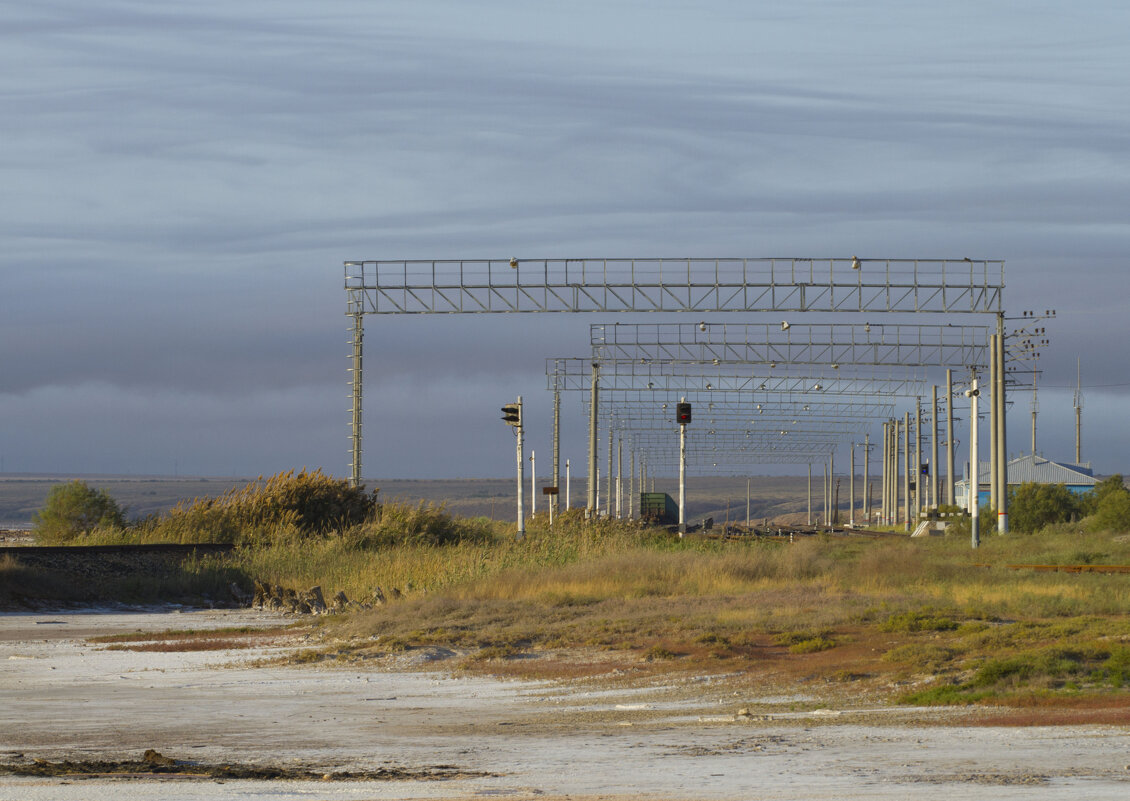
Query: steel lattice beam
791,343
499,286
572,374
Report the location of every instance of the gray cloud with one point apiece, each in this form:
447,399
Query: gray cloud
183,182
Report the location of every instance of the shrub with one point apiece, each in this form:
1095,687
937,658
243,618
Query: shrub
1033,506
1109,506
72,509
286,506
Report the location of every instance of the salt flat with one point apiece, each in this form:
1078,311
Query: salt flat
62,697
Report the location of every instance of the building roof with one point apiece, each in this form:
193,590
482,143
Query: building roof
1029,469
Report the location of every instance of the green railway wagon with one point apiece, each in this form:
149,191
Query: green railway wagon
659,507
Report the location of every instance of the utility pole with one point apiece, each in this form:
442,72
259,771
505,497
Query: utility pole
619,477
810,493
950,466
918,483
594,392
934,448
1000,397
974,468
827,497
608,493
906,473
994,462
851,488
568,481
1078,413
533,486
867,478
747,504
632,483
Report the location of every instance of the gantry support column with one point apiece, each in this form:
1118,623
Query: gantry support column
867,478
906,472
994,462
594,393
1002,434
355,425
950,465
918,483
934,449
810,493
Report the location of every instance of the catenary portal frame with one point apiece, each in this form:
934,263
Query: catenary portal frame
696,285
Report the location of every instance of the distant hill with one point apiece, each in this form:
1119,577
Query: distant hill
770,496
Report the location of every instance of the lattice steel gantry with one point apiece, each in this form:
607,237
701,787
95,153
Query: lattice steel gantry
699,285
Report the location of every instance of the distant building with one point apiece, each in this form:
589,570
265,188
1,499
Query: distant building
1029,469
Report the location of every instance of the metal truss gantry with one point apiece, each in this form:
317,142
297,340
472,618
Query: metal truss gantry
478,286
697,285
622,375
784,343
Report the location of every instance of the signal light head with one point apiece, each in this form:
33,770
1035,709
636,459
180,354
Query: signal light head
512,414
682,413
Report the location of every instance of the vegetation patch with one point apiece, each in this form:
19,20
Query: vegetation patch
153,763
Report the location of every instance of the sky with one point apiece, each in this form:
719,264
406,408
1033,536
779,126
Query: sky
180,183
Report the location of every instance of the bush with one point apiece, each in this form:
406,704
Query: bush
1109,506
73,509
285,506
1033,506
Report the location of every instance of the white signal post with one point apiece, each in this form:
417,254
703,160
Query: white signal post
512,414
533,485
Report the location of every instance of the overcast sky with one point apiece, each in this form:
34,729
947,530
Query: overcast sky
180,183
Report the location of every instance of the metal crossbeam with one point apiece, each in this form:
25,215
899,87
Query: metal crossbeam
500,286
787,343
571,374
810,406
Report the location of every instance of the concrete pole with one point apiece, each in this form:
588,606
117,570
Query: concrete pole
594,393
950,467
521,468
884,500
357,384
631,484
747,504
619,477
810,493
827,503
682,479
568,482
906,473
533,486
831,487
994,487
851,487
918,483
934,448
1078,413
554,500
974,469
1002,435
608,492
867,478
896,476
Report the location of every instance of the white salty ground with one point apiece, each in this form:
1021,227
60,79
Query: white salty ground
62,697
